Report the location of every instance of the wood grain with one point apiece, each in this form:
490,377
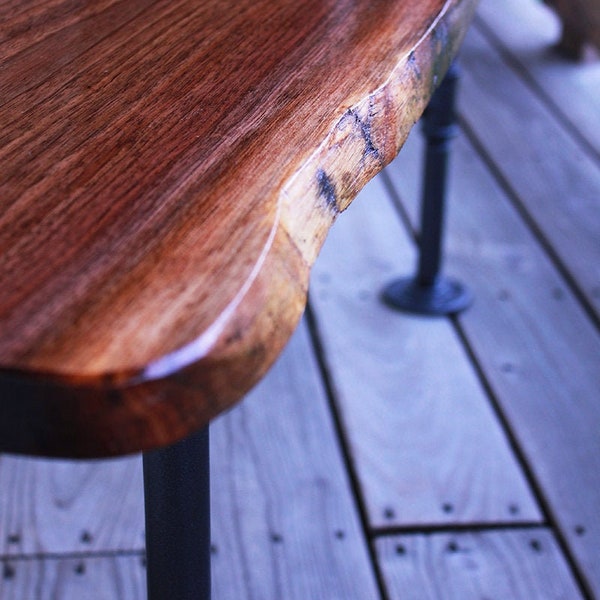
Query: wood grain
520,565
284,519
51,507
169,173
426,446
74,578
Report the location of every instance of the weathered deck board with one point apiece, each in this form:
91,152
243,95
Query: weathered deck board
536,345
427,448
61,506
527,31
515,565
560,185
284,524
89,578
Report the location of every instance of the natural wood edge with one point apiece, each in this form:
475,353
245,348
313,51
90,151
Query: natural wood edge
182,392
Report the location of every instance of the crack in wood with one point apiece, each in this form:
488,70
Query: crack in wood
365,130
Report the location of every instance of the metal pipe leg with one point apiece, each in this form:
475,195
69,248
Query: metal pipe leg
428,292
177,501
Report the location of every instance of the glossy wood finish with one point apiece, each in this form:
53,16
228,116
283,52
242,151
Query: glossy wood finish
169,172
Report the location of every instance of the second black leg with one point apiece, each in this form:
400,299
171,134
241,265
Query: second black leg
428,292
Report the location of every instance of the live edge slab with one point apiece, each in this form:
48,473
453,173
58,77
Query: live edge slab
168,173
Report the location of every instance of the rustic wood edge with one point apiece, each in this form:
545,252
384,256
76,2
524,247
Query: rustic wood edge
182,392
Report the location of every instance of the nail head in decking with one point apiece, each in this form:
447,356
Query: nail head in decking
8,571
86,537
536,545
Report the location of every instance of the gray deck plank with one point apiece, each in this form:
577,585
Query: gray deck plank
51,506
90,578
537,347
515,565
556,181
427,448
528,31
284,522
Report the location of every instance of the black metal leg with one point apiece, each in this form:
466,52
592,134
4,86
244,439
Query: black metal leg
428,292
177,499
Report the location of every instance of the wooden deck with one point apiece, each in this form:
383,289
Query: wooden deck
388,456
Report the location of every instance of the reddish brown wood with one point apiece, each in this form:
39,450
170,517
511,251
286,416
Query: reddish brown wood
169,172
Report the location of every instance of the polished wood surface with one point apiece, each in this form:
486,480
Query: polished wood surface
169,173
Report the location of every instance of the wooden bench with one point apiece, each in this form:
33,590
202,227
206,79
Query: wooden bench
169,173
